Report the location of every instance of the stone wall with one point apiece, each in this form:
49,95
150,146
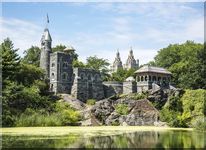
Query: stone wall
129,87
87,84
112,88
61,72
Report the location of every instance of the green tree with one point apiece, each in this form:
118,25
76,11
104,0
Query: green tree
32,56
78,64
187,63
61,48
10,60
28,74
96,63
100,64
122,74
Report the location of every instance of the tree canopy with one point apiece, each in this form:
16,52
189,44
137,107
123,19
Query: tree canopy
32,56
186,62
10,60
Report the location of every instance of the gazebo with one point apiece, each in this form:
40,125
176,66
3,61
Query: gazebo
149,77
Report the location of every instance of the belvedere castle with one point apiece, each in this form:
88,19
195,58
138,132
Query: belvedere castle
85,84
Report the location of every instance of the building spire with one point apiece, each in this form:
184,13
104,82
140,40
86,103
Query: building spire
117,54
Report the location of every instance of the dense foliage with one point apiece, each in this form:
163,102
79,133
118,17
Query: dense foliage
32,56
187,110
26,100
121,74
187,63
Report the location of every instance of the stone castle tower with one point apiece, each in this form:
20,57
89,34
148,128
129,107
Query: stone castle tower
46,42
131,63
117,64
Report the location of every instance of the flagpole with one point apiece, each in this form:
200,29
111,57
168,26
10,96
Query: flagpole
47,20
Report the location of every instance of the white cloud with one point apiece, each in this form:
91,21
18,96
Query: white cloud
22,33
120,33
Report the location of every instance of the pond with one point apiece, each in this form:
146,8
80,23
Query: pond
102,137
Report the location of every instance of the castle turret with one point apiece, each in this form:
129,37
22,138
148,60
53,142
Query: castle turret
46,42
117,64
131,63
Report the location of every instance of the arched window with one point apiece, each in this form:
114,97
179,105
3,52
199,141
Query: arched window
53,64
52,75
159,78
89,77
154,78
64,76
82,76
65,65
145,78
51,88
142,78
150,78
138,78
169,79
96,77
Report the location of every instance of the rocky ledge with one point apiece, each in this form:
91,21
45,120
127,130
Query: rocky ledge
125,112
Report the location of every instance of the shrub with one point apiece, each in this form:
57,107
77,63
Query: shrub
199,123
63,115
38,118
115,123
134,96
70,117
91,102
122,109
173,118
193,102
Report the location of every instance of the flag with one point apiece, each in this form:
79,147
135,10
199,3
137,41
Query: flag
47,18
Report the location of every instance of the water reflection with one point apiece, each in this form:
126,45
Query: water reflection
144,139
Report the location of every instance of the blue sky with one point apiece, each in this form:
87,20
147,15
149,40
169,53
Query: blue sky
102,28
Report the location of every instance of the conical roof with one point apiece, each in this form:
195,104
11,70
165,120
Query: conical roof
47,35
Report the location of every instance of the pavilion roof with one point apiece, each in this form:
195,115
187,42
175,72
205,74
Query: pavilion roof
148,68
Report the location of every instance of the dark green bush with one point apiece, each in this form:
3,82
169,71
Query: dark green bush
63,115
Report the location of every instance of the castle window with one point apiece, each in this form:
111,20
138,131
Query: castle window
82,76
150,78
51,88
138,78
142,78
89,77
65,65
154,78
52,75
96,77
64,76
53,64
145,78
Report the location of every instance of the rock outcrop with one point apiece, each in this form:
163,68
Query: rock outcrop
140,112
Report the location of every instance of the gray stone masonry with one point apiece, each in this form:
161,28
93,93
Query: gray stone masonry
112,88
87,84
129,87
61,72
